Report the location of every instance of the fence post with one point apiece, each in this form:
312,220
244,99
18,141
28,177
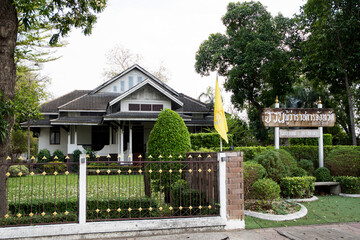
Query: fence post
222,184
82,189
231,189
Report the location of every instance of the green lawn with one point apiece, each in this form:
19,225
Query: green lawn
61,187
328,209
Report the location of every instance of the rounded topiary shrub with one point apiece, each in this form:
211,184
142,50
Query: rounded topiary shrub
299,172
169,140
265,189
322,174
344,162
59,155
277,163
14,170
253,171
307,165
44,153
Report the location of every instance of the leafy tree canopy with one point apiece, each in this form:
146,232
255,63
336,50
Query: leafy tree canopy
254,55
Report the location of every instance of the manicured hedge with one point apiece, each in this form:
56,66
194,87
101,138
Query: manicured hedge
327,140
49,207
348,184
297,187
208,140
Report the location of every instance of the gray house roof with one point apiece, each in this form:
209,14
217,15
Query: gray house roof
52,106
90,102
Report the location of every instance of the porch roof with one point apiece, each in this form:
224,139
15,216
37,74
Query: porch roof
82,120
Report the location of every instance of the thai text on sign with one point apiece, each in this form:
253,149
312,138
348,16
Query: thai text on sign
298,117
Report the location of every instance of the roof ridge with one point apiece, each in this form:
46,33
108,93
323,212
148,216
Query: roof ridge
75,99
193,100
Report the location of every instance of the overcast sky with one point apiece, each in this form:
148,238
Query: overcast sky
161,31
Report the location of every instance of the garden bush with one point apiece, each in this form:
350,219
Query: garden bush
44,153
344,162
169,136
59,154
277,163
208,140
74,164
299,172
297,187
327,140
57,166
307,165
322,175
265,189
253,171
14,170
349,184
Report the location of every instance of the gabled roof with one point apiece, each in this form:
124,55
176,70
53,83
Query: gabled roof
140,85
90,102
52,106
135,66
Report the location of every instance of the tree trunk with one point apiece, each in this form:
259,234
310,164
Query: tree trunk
8,34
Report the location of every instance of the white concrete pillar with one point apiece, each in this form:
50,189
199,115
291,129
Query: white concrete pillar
75,138
130,157
122,144
222,184
82,189
321,141
119,142
69,141
277,129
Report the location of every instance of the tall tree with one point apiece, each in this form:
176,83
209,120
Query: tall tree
208,97
254,55
332,47
60,15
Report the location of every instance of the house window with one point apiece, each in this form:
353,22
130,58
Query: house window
55,135
122,86
139,79
131,81
145,107
157,107
134,107
115,88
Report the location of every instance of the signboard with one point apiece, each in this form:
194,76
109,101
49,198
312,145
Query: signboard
298,117
304,133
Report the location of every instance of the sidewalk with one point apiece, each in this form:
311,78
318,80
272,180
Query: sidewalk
343,231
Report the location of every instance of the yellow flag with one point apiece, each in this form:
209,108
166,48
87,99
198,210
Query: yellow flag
219,115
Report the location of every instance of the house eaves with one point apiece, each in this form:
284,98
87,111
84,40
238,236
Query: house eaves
129,70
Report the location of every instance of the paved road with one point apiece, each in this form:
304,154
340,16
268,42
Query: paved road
348,231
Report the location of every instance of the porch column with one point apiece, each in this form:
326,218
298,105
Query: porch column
75,138
69,141
122,143
119,142
130,157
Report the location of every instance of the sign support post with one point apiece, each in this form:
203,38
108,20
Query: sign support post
277,129
321,141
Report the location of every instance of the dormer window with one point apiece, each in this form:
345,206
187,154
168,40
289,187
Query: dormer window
122,86
131,81
139,79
